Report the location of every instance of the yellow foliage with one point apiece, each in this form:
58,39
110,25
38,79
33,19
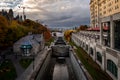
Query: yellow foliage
68,33
14,24
9,33
3,22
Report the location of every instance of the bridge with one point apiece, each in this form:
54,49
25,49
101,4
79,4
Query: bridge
58,62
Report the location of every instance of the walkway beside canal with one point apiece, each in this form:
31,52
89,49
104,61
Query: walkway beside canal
34,66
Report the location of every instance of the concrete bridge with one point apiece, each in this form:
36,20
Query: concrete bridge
58,62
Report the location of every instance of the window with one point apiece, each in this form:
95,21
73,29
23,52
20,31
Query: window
116,7
91,51
87,47
99,57
111,67
117,35
104,12
116,1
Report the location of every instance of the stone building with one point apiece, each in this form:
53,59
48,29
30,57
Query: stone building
29,45
106,57
102,41
103,11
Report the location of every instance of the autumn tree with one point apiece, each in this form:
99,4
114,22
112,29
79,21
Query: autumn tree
68,33
3,29
9,33
82,27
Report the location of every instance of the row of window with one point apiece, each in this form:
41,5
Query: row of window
104,12
106,1
111,66
108,5
116,1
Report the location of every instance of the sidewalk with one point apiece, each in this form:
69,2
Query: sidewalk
34,66
19,69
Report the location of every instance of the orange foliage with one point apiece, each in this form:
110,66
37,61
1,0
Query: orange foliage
82,27
3,28
3,22
47,35
9,33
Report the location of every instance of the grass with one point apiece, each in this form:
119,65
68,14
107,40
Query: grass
7,71
92,67
25,62
49,42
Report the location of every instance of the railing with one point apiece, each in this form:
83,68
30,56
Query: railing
30,73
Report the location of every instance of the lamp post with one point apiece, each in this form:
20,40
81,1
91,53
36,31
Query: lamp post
33,60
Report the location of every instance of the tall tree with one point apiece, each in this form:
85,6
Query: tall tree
10,14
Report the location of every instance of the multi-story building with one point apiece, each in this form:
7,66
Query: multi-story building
100,9
107,13
103,45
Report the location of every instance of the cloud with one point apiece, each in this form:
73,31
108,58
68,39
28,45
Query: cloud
57,13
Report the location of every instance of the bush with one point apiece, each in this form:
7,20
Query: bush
7,71
25,62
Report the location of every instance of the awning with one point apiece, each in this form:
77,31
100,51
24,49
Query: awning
26,45
96,28
105,28
89,29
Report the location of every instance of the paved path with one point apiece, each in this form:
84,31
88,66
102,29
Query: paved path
15,61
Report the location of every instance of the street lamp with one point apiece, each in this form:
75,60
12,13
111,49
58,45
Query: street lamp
33,60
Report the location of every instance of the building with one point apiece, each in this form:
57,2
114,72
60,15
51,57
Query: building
103,45
29,45
103,9
106,57
106,13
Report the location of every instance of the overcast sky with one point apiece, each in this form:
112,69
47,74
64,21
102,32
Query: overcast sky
54,13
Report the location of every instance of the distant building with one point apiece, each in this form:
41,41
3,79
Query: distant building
29,45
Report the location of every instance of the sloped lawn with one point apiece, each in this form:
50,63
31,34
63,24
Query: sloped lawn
7,71
91,66
25,62
49,42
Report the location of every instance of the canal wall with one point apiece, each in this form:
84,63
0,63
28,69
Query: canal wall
39,69
44,69
31,72
77,67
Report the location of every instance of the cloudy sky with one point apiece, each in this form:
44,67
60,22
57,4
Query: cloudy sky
54,13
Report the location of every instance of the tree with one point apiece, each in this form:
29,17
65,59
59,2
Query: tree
3,29
82,27
10,14
68,33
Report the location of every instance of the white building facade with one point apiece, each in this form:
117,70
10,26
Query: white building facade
105,56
